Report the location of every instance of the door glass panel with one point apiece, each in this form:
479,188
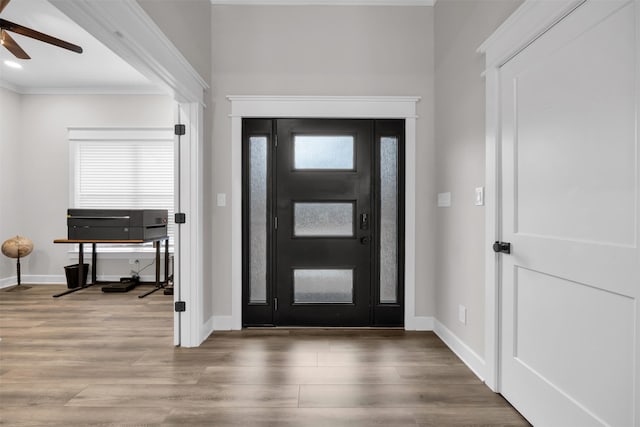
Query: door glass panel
323,286
323,219
388,220
323,152
258,219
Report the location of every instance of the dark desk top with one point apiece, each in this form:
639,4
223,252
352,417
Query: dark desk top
109,241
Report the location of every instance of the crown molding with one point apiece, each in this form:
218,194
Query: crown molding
11,87
323,2
107,90
125,28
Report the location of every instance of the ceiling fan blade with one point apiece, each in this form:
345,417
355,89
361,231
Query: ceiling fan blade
28,32
7,41
3,4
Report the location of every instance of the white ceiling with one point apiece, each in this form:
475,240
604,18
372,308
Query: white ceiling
55,70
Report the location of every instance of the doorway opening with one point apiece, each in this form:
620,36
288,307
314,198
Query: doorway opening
323,222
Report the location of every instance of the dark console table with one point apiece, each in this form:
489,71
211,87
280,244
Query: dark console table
94,261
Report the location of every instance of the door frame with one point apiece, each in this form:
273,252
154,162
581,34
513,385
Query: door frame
264,313
324,107
147,49
524,26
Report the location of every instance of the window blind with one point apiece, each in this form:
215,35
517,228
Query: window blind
124,169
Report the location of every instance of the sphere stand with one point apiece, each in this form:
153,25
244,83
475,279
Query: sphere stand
19,286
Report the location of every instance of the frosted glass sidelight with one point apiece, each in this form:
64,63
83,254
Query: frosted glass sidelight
323,219
258,219
323,152
323,286
389,220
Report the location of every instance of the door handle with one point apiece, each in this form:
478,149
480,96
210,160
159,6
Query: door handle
504,247
364,221
365,240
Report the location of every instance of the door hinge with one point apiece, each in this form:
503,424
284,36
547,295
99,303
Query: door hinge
275,222
180,218
180,306
180,129
275,304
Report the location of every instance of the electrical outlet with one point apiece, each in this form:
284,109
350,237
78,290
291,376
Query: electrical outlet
479,196
444,200
462,314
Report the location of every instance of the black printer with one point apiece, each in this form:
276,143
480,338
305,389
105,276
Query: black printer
117,224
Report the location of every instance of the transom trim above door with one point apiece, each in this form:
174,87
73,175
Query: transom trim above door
324,107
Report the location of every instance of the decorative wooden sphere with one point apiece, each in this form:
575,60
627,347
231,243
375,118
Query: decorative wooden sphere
17,247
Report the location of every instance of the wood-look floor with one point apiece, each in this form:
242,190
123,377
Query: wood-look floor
108,359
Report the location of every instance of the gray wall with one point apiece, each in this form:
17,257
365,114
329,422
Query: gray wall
321,50
281,50
460,27
41,155
11,208
187,23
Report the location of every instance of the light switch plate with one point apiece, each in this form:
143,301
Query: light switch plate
462,314
444,200
221,199
479,196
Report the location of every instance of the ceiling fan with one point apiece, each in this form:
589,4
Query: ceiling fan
12,46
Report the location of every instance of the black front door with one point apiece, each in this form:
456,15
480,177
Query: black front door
322,204
323,222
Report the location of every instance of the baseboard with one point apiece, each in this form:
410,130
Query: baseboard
8,282
43,279
462,350
222,323
419,323
57,279
207,329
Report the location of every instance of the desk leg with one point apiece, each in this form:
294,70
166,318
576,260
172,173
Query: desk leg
80,272
157,244
81,266
166,262
158,285
94,265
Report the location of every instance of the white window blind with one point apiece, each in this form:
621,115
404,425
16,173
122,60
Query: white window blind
123,169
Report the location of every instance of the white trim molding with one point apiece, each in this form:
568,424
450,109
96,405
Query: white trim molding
372,107
7,282
34,279
222,323
120,133
525,25
419,323
58,279
189,264
124,27
462,350
324,2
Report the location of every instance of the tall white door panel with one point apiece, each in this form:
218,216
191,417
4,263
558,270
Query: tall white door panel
570,195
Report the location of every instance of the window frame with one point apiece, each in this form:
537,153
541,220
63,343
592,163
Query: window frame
79,135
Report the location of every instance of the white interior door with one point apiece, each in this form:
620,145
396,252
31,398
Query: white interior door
187,271
570,193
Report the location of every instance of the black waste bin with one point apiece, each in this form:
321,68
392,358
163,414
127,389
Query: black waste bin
71,272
